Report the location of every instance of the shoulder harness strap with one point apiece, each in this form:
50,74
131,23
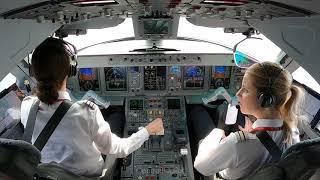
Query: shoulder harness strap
27,135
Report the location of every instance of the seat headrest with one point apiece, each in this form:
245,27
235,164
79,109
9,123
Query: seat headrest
18,159
301,145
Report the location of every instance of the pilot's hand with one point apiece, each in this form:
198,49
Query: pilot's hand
155,126
247,126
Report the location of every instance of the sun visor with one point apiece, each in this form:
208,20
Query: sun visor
80,27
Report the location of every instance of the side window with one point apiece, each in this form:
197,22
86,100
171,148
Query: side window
303,77
311,106
10,102
7,81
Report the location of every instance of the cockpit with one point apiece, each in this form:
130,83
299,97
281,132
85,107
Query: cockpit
161,59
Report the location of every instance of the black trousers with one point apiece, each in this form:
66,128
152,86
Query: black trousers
202,123
116,119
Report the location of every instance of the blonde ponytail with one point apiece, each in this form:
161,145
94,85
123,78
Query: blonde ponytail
291,110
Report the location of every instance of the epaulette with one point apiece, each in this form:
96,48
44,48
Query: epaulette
90,104
242,136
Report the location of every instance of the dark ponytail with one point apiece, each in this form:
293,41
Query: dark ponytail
48,91
50,66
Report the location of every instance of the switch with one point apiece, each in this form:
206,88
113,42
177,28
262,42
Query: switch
184,151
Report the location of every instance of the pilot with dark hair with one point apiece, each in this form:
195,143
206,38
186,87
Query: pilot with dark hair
83,134
267,93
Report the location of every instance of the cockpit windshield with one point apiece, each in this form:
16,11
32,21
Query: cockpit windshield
190,39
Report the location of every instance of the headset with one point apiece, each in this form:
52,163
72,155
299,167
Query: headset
72,53
266,97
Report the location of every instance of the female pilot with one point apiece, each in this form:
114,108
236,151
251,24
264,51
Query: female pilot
83,134
267,93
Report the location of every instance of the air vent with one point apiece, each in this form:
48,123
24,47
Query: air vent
154,48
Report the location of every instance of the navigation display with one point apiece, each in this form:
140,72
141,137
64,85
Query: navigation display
88,79
116,78
193,77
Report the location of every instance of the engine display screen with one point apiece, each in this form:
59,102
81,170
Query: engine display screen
193,77
136,104
134,69
155,77
88,79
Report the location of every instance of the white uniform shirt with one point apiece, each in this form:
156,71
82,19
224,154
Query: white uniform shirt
240,153
81,136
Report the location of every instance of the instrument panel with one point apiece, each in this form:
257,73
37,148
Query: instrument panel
158,91
160,80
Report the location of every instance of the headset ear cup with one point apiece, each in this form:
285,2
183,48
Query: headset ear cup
73,68
30,70
72,71
265,100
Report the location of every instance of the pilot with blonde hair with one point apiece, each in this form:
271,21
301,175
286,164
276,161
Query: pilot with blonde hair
268,94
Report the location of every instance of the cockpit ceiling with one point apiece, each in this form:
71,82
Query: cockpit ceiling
72,11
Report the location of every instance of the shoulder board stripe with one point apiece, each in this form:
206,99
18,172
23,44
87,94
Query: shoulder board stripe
241,136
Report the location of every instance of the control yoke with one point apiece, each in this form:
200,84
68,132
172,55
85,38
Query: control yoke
220,93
